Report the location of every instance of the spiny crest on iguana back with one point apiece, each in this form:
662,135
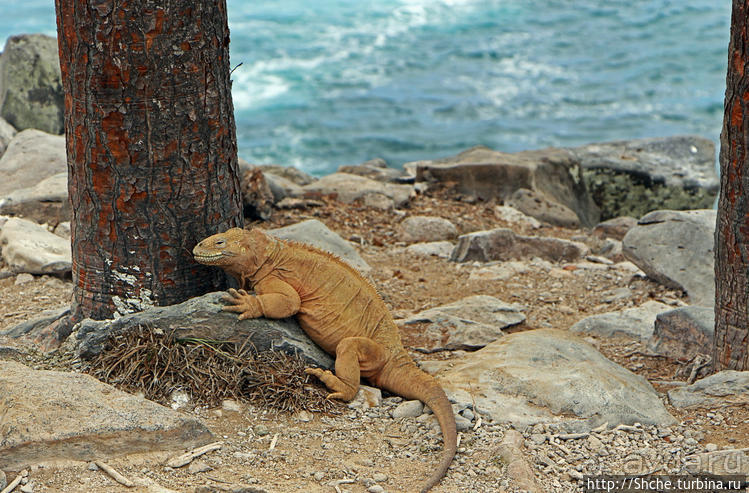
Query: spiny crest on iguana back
331,256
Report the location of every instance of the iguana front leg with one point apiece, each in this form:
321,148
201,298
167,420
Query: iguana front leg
274,299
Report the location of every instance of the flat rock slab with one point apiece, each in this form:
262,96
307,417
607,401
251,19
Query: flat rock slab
547,376
470,323
29,247
504,244
635,323
45,202
315,233
203,318
684,333
415,229
52,415
31,156
442,249
727,387
675,248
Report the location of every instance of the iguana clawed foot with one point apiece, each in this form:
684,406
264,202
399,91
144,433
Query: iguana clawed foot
341,390
240,301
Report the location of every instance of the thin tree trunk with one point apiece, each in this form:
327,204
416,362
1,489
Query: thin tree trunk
732,229
151,146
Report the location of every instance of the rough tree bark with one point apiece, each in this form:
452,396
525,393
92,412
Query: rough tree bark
151,146
731,349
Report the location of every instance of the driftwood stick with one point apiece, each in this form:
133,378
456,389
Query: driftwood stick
12,485
114,474
188,457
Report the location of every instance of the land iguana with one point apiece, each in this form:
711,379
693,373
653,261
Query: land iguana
339,310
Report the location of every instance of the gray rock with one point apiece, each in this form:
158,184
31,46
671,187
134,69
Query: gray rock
281,187
675,248
29,247
486,174
374,169
315,233
348,188
615,228
684,333
536,205
504,244
636,323
45,202
514,216
53,415
63,230
415,229
728,387
203,318
469,323
31,93
408,409
366,398
7,132
631,178
288,172
441,249
35,326
31,156
548,375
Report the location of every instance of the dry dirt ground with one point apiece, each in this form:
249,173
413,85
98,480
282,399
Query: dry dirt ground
359,450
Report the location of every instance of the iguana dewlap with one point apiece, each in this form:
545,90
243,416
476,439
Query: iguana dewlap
338,309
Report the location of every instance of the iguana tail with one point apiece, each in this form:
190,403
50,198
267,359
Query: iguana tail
410,382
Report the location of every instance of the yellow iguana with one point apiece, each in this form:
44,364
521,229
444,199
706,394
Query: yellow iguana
338,309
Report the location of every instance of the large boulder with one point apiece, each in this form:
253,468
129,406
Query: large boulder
504,244
7,132
29,247
675,248
549,375
203,318
31,156
487,174
632,178
374,169
45,202
30,83
315,233
54,415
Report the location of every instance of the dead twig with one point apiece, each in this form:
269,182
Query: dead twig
114,474
186,458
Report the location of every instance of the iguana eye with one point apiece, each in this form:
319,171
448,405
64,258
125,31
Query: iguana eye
220,243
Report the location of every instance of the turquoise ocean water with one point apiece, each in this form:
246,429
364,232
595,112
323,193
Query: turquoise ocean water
335,82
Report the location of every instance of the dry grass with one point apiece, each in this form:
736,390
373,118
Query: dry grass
151,362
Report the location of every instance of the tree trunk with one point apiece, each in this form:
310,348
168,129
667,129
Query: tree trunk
731,350
151,147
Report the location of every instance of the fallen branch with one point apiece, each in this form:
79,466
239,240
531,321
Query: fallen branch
186,458
114,474
15,482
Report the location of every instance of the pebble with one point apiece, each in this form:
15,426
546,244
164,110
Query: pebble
23,278
538,438
261,430
198,466
380,477
462,424
27,488
92,466
376,489
408,409
711,447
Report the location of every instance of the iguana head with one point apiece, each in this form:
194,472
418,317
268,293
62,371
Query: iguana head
222,249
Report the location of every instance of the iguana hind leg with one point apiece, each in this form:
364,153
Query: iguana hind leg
354,357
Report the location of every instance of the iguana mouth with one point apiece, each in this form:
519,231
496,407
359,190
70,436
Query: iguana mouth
208,257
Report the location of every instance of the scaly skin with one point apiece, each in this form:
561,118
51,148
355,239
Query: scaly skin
338,309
